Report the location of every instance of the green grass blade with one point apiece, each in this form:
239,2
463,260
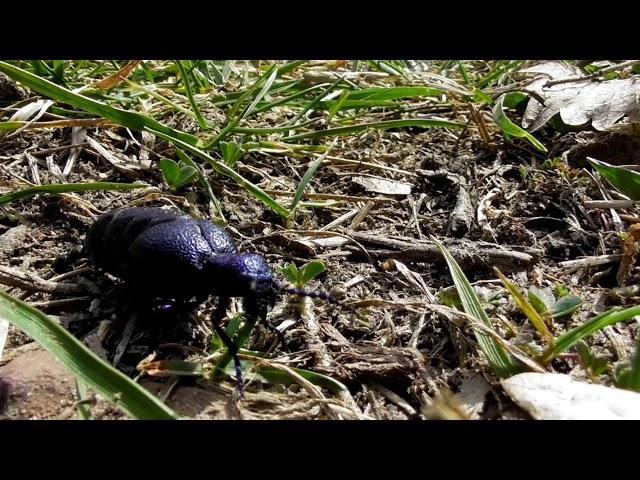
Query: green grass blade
243,335
289,99
66,188
569,339
222,169
378,97
499,359
276,376
313,103
204,183
113,385
393,93
502,68
383,125
534,317
269,130
624,180
192,101
511,128
308,175
125,118
263,91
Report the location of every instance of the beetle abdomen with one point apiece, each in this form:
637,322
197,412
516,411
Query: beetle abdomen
156,249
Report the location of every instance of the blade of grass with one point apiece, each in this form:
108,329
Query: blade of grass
288,99
312,104
383,125
113,385
187,87
133,120
66,188
243,335
511,128
277,376
394,93
499,359
624,180
159,97
269,130
526,307
204,183
502,67
569,339
222,169
311,171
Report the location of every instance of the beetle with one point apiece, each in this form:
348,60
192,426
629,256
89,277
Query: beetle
172,256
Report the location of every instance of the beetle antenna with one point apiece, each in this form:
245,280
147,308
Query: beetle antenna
315,294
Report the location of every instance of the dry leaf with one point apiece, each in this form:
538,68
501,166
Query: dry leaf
602,103
553,396
119,160
113,80
383,185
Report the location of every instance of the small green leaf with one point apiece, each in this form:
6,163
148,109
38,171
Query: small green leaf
177,174
449,297
542,300
480,97
566,306
562,290
622,179
290,271
170,170
511,128
231,152
310,271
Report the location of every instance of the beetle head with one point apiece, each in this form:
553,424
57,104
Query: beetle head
241,275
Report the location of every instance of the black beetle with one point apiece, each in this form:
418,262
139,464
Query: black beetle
172,256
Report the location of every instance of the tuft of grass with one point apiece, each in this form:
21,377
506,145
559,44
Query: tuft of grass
133,120
223,169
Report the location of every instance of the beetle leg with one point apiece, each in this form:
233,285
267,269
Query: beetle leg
216,318
273,329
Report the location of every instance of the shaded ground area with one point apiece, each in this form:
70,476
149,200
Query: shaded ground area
499,204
